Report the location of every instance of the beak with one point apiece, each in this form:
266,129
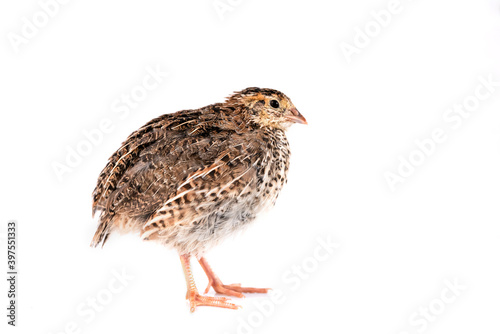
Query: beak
296,117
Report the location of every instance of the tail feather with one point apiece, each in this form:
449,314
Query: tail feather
103,230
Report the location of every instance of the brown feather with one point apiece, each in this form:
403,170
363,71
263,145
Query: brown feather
191,178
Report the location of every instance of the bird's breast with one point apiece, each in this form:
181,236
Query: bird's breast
273,170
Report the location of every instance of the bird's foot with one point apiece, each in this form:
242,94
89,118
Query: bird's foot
233,289
195,299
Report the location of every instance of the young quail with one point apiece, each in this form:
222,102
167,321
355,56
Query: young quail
192,178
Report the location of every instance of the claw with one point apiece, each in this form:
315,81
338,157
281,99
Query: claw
235,289
196,300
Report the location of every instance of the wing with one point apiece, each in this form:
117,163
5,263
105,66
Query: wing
160,133
210,190
159,161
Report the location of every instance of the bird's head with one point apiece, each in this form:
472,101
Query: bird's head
267,107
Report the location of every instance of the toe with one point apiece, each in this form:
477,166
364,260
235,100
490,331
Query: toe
239,288
211,301
228,291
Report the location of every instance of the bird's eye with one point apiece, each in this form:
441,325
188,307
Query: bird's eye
274,104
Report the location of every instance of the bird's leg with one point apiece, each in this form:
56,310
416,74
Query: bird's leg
195,299
228,290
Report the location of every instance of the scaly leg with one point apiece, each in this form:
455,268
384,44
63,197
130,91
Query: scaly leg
228,290
195,299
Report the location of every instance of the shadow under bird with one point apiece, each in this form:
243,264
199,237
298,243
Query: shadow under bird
192,178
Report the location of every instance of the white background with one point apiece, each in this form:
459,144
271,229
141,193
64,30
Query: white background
397,248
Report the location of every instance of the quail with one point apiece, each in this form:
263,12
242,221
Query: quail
190,179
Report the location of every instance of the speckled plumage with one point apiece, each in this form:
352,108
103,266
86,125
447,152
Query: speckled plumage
191,178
